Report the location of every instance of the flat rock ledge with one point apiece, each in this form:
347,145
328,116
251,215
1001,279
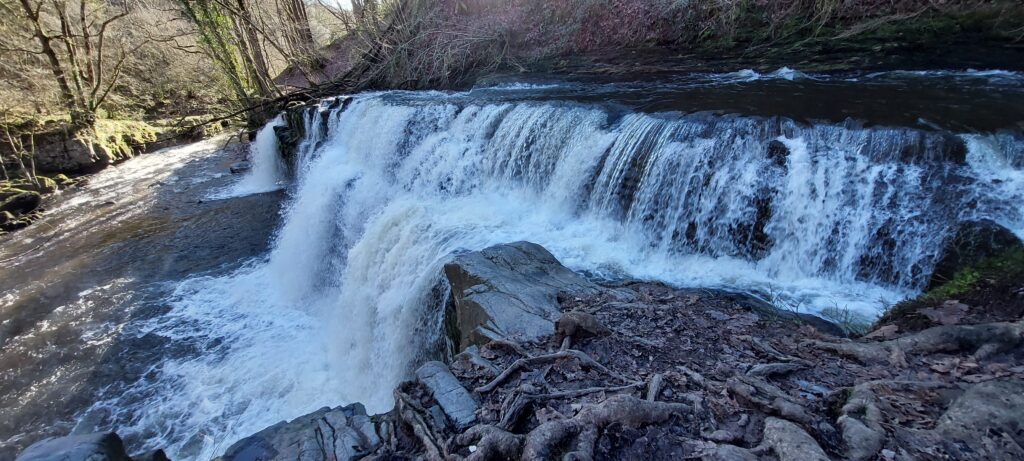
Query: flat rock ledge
649,372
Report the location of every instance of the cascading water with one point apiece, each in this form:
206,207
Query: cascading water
818,215
267,172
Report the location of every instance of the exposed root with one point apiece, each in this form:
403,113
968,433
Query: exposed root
530,362
982,340
523,400
769,398
414,415
542,442
766,370
506,344
491,443
654,387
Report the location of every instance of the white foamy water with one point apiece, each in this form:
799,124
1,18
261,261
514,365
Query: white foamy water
267,172
346,302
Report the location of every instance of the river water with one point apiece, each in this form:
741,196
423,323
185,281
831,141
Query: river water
174,303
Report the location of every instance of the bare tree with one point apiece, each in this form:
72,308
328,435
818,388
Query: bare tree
73,38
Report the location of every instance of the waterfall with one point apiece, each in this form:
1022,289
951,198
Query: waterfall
820,216
267,172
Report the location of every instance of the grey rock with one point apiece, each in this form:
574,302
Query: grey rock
87,447
509,291
240,167
726,452
341,433
987,420
790,442
449,393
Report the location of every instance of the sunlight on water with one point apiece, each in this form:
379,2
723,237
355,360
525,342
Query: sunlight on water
342,306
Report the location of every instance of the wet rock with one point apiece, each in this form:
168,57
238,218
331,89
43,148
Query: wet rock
6,217
87,447
508,291
21,203
327,434
240,167
777,152
155,455
454,399
973,242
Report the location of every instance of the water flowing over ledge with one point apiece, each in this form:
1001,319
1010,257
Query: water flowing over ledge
818,217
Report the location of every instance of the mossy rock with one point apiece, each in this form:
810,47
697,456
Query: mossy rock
993,288
8,191
121,139
973,243
21,203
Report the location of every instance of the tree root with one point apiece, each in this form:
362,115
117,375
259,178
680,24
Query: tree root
543,441
415,416
982,340
523,400
529,362
491,443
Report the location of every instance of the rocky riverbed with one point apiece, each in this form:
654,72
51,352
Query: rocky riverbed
549,365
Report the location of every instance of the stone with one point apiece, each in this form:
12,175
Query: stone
240,167
725,452
154,455
986,421
21,203
777,152
455,400
328,434
87,447
6,217
790,442
973,242
508,291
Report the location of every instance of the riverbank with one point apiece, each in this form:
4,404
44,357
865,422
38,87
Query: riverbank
52,158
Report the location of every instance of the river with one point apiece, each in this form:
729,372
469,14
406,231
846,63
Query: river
186,308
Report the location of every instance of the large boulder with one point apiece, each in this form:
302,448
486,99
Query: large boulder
327,434
21,203
508,291
88,447
973,242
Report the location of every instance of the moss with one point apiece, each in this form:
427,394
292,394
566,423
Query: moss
123,137
985,285
997,270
